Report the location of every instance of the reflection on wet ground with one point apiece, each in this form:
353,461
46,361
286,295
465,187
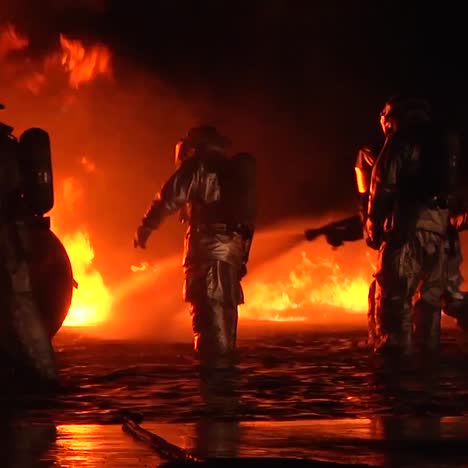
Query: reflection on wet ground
281,376
317,395
380,441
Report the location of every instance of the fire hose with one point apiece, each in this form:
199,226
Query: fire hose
177,457
166,450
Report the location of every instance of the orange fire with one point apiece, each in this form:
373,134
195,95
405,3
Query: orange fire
10,41
310,283
92,300
84,64
143,266
81,64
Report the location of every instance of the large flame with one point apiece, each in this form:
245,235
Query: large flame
92,300
84,64
310,282
80,64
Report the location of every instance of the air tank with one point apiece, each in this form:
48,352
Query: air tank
26,194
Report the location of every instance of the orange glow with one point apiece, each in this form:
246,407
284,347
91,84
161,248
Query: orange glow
34,82
143,266
10,40
71,193
94,445
87,164
309,283
84,64
92,300
288,297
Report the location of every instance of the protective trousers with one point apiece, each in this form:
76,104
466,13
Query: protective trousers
212,286
24,337
455,302
214,331
418,265
371,336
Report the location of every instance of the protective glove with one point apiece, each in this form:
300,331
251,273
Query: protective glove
334,238
373,234
141,237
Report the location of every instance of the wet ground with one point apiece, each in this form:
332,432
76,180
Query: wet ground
284,373
297,392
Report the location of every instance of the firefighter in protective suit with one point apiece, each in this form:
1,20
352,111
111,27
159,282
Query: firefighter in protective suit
210,197
408,221
24,339
455,301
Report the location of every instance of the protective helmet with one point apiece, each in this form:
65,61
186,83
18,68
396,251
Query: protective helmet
402,111
207,137
201,138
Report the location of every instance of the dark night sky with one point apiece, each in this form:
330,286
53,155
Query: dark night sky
311,75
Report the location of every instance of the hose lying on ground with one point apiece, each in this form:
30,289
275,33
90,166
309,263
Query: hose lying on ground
177,457
162,447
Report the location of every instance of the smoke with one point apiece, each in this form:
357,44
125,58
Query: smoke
230,69
112,142
113,123
289,281
113,126
55,16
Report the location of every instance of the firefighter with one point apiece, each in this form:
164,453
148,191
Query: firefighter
455,302
216,196
408,222
24,338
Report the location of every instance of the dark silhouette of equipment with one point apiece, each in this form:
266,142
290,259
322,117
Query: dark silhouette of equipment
26,196
338,232
52,275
